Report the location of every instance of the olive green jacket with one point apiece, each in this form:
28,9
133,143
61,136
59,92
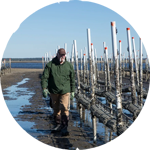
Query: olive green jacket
58,78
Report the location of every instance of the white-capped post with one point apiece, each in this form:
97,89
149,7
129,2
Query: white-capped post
136,65
92,94
45,57
107,69
141,75
90,62
120,67
72,55
81,61
116,75
77,69
133,90
93,63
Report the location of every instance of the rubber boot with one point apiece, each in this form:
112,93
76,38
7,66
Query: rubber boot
58,126
64,121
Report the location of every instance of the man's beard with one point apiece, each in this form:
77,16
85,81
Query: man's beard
61,60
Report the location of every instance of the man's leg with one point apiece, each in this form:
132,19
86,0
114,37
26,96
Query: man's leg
64,101
57,112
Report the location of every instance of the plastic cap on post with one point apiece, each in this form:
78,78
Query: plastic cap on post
112,23
105,48
132,37
128,28
119,41
91,43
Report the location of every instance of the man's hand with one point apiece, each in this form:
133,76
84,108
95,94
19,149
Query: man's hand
72,95
45,92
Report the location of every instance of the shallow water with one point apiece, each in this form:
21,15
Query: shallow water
13,133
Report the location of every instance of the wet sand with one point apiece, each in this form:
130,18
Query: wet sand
42,118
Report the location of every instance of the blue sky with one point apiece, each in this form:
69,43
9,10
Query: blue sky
64,22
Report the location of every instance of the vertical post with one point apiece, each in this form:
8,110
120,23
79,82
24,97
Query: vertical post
136,66
124,65
105,71
96,63
133,90
147,64
116,75
91,84
107,76
84,71
112,64
93,63
50,57
107,67
81,62
77,69
84,68
78,79
90,62
10,64
118,96
65,47
141,75
101,64
120,67
45,59
87,66
72,56
4,66
43,62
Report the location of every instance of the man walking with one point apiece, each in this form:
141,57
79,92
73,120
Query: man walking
59,79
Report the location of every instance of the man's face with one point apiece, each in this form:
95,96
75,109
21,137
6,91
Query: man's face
61,57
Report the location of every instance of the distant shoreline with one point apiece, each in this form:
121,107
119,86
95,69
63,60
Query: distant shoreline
27,61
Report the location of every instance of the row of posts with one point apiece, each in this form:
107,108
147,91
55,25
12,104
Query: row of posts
92,75
5,67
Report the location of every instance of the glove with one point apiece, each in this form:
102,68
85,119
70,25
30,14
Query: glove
45,92
72,95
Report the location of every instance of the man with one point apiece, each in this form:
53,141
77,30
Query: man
59,79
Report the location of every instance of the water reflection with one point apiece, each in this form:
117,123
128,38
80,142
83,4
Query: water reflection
12,130
15,97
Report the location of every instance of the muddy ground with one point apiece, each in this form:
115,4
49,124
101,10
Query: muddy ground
43,118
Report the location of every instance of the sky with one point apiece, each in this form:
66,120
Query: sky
60,23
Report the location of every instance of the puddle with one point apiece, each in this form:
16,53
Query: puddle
17,97
15,134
